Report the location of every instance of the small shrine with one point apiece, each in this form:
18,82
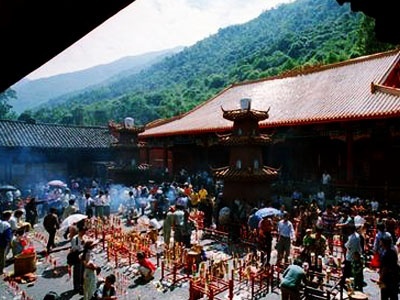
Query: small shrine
246,178
126,151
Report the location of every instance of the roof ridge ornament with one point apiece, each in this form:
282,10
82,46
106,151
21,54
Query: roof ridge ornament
245,104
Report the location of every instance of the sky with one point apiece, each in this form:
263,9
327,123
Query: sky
152,25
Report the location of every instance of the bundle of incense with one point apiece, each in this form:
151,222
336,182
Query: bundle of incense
226,270
203,269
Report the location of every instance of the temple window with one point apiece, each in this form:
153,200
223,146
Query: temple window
256,164
238,164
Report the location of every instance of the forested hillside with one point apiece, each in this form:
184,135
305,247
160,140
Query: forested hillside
292,36
32,93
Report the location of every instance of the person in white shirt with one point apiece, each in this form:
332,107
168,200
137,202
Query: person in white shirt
179,219
352,245
107,204
16,222
65,198
99,201
89,205
70,209
77,244
321,200
374,205
285,236
326,178
5,238
380,234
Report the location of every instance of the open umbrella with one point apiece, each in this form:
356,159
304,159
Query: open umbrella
7,187
253,221
57,183
268,212
71,220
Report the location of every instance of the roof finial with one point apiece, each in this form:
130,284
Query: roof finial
245,104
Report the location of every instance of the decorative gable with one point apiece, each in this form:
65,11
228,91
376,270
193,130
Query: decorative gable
390,82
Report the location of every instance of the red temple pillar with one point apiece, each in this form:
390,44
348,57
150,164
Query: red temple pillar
350,158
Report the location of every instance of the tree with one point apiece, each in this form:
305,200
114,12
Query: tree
5,107
26,116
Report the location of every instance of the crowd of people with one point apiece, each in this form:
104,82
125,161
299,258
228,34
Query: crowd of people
365,231
345,234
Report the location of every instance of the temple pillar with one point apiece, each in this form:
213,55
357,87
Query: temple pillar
350,157
165,156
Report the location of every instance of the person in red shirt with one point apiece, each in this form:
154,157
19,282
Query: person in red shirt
146,267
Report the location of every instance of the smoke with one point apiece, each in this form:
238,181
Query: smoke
119,195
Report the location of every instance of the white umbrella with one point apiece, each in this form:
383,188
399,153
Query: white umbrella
71,220
57,183
7,187
268,212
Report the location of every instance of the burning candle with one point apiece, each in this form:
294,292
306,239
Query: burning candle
312,259
108,251
319,263
194,269
328,274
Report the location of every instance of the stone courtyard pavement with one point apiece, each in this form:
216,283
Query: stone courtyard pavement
53,275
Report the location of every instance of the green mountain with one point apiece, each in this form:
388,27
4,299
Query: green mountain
292,36
33,93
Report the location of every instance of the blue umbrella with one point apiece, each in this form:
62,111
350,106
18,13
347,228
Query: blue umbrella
268,212
253,221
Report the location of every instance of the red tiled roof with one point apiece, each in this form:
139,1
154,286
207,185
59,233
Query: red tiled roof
337,92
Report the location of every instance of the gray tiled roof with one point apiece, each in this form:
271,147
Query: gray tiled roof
40,135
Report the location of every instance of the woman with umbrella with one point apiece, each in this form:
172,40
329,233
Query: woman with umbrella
253,220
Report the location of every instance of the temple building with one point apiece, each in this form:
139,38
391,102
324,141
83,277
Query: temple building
31,153
125,168
246,161
341,118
